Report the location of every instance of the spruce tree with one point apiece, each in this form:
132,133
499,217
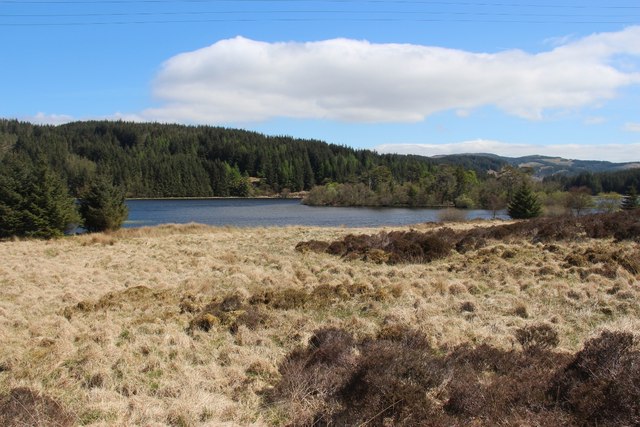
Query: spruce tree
524,204
12,199
102,207
34,201
630,200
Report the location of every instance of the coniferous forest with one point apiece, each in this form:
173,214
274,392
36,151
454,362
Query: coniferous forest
158,160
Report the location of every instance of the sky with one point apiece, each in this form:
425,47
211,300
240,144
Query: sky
509,77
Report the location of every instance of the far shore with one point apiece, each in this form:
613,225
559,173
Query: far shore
216,198
296,197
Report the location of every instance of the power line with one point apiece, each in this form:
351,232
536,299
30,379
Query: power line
271,12
186,21
429,2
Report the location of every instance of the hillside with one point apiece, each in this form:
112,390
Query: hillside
542,166
193,325
162,160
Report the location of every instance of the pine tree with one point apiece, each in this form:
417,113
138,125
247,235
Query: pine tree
630,200
102,207
34,201
524,204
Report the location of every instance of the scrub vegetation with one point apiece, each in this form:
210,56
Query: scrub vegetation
505,324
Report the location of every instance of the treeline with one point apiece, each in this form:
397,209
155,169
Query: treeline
445,186
160,160
603,182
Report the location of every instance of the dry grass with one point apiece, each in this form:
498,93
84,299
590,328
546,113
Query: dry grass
188,325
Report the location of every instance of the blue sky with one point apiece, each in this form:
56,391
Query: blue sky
426,77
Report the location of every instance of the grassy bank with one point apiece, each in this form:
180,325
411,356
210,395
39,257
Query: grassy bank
190,325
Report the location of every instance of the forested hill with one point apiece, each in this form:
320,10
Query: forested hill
162,160
618,181
540,166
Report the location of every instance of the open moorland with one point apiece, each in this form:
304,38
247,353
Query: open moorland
481,323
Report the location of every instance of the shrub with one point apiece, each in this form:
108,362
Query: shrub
502,387
310,377
253,318
290,298
231,302
538,336
284,299
396,378
452,215
464,202
312,245
417,247
601,385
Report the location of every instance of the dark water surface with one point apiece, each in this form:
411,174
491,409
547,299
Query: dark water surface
274,212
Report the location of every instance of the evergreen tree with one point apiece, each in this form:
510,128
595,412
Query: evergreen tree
525,204
34,201
12,200
102,207
630,200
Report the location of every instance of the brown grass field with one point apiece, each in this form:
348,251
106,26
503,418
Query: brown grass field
190,325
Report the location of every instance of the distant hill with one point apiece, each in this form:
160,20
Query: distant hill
542,166
480,163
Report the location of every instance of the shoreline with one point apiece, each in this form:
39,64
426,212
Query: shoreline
306,204
217,198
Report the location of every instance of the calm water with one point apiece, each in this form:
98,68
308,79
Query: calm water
270,212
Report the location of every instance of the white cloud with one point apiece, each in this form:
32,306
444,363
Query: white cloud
48,119
632,127
609,152
241,80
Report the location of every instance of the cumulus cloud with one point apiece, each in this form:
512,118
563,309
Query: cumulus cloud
242,80
609,152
